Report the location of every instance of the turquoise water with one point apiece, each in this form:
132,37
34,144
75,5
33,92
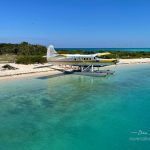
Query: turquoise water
76,112
109,49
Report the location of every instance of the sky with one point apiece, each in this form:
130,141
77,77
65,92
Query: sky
76,23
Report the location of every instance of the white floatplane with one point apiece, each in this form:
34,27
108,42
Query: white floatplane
77,59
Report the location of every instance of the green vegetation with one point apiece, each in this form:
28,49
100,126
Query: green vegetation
26,53
23,48
116,54
128,55
30,59
74,52
23,53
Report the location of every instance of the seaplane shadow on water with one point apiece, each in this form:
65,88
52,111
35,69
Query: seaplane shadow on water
80,64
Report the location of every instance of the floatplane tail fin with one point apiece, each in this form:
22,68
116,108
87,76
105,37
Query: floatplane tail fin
51,51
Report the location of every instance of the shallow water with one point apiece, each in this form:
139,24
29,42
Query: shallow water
77,112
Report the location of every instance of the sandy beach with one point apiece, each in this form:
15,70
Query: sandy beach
24,71
134,61
39,70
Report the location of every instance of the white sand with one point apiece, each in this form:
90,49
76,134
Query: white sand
25,71
134,61
29,70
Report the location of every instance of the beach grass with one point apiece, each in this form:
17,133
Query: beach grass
7,58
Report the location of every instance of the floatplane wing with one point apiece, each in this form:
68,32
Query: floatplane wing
78,59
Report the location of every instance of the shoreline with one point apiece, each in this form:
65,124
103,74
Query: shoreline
31,75
28,71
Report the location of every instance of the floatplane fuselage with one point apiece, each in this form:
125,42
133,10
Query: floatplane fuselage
77,59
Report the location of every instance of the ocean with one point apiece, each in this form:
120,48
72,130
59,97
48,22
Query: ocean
73,112
109,49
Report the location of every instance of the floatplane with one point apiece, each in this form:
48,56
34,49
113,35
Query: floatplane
86,63
77,59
